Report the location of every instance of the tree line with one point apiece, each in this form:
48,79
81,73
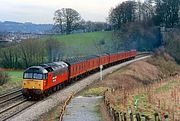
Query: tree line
31,52
138,24
164,13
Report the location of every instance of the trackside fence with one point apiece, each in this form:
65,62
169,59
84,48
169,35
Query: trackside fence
117,115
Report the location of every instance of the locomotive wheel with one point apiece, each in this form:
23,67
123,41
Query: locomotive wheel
58,87
54,89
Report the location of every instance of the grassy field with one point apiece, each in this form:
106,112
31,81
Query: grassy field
15,76
15,80
82,43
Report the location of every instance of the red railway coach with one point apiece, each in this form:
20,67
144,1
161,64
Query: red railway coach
92,62
113,57
104,59
77,66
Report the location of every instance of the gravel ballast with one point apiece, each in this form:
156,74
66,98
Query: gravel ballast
41,107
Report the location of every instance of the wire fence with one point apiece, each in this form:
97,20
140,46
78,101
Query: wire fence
117,115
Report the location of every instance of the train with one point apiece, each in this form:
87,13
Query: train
42,80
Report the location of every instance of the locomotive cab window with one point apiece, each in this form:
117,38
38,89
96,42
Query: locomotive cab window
37,76
28,75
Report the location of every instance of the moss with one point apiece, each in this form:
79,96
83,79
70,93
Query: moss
99,91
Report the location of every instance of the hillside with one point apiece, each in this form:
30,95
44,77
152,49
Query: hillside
83,43
9,26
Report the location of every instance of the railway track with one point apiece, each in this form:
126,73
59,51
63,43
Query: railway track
12,103
14,109
10,96
11,92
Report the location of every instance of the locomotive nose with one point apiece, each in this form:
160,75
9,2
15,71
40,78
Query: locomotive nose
33,84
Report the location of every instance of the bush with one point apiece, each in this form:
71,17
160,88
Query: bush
4,77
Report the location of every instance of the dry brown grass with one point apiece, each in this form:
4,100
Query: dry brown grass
162,98
137,74
153,82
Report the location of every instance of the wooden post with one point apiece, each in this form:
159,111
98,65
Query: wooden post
122,118
125,118
138,118
117,116
166,117
131,117
147,118
155,116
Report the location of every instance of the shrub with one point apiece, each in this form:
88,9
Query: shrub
4,77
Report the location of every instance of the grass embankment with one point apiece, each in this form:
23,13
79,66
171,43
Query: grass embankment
138,88
15,79
82,43
162,98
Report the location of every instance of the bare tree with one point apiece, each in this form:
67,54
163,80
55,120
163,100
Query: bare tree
58,22
123,13
67,20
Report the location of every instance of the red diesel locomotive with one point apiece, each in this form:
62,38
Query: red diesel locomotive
42,80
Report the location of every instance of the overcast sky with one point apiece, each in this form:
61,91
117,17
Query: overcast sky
41,11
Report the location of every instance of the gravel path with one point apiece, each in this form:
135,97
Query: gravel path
48,103
83,109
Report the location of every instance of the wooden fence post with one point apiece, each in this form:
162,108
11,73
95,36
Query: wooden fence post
155,116
122,117
117,116
166,117
147,118
119,113
113,114
138,117
131,117
125,118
